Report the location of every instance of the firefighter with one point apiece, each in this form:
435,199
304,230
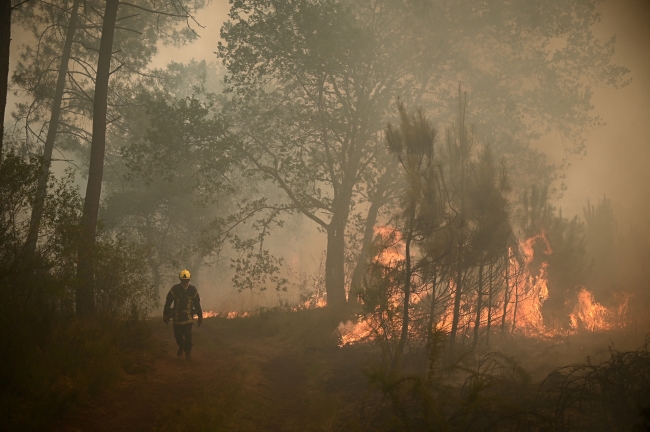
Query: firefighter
186,303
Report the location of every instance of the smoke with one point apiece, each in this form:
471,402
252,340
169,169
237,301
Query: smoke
615,163
617,154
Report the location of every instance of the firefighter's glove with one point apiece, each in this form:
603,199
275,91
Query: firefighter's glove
199,322
166,319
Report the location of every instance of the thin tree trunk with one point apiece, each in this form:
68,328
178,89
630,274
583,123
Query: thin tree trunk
506,293
196,267
41,192
464,153
5,43
85,291
155,269
334,265
362,261
479,306
407,297
489,317
514,314
432,308
457,295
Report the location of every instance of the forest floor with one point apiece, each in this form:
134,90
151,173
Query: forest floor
241,377
274,372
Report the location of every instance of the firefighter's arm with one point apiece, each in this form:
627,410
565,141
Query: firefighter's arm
199,311
167,309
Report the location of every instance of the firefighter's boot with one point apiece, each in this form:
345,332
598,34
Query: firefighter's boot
179,353
188,355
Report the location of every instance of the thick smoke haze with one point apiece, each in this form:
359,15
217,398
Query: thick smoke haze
614,163
398,215
617,157
617,154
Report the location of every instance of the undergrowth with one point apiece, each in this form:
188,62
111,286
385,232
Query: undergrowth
608,396
46,376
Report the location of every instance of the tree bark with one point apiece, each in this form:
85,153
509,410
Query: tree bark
457,296
407,298
432,308
479,306
506,293
334,264
41,192
362,261
490,294
85,298
5,43
155,269
514,313
335,256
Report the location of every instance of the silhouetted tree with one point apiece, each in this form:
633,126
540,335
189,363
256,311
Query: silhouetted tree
412,144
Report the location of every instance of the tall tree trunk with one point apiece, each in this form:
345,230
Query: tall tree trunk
5,43
335,264
506,293
362,261
335,255
85,297
457,295
464,156
407,298
489,317
479,306
514,313
196,267
432,307
155,269
41,192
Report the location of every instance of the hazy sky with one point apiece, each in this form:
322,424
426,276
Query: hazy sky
617,163
618,154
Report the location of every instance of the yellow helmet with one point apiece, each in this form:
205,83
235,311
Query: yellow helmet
184,275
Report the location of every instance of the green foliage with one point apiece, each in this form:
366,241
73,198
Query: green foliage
52,364
52,360
122,282
141,25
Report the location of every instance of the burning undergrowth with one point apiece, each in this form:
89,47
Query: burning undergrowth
503,321
516,288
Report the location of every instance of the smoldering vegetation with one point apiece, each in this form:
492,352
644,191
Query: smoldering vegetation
391,143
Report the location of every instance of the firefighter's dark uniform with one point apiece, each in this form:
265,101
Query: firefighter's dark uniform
186,302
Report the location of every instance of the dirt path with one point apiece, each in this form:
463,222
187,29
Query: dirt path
263,383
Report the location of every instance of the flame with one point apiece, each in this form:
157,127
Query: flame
350,332
590,315
227,315
394,250
527,292
210,314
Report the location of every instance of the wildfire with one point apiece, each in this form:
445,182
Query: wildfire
590,315
394,250
317,303
227,315
526,293
351,333
210,314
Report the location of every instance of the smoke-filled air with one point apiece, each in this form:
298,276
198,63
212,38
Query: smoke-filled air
325,215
